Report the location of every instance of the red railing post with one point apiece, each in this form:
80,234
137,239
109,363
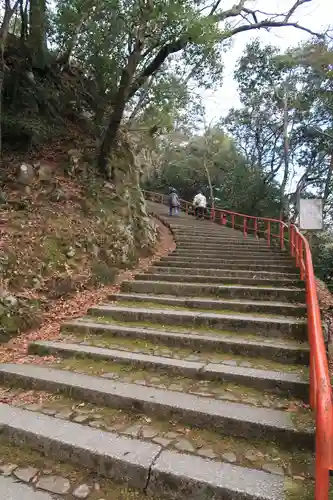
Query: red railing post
291,240
269,233
245,227
281,235
186,208
256,227
212,214
296,244
233,221
301,260
321,475
221,218
313,384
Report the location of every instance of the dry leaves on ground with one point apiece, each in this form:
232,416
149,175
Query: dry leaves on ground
16,349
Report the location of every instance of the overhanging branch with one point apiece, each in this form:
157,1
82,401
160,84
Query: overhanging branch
268,24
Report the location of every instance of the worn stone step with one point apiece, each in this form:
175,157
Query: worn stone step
208,242
117,457
227,253
180,255
222,264
160,468
218,233
183,236
221,279
280,326
213,290
255,259
259,306
147,467
175,261
227,244
168,434
286,351
238,273
290,383
234,419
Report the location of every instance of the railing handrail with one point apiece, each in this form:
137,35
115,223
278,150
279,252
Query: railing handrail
229,212
320,385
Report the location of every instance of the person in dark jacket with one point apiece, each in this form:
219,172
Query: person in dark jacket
174,202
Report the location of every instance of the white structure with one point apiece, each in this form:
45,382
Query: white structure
311,214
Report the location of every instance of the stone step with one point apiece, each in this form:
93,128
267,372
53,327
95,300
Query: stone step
286,351
270,326
267,380
221,279
120,458
147,467
213,290
226,253
222,264
227,244
267,275
233,419
185,240
214,232
283,308
182,236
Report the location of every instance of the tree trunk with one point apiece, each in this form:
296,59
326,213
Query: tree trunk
145,91
4,28
328,180
285,153
65,56
210,186
24,19
37,33
117,114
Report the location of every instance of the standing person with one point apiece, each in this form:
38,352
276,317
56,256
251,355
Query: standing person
174,202
200,204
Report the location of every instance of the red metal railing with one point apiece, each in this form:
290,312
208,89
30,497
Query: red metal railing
290,238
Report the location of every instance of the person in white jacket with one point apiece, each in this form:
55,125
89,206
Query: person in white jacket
200,204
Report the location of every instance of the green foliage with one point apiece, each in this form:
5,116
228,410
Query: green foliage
288,94
237,185
322,250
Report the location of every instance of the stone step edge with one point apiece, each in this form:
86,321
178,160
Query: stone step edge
110,308
199,278
251,377
141,465
258,274
190,300
185,339
227,261
215,285
226,243
232,419
239,252
191,240
211,262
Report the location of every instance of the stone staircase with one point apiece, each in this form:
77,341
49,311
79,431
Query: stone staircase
190,383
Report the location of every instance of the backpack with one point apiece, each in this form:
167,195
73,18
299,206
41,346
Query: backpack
174,200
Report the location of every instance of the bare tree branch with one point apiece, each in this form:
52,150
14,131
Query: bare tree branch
268,24
297,4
